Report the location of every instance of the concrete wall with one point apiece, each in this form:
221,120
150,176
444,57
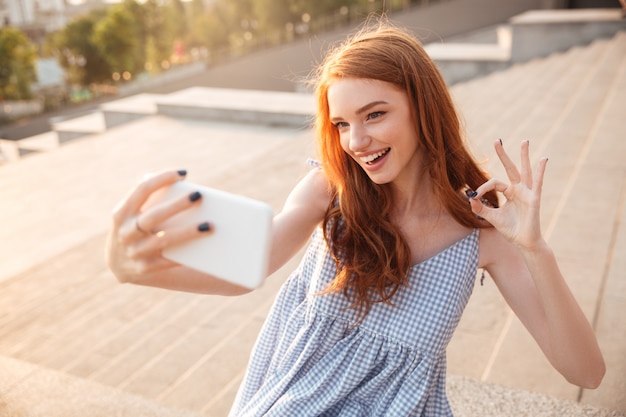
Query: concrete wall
541,33
450,18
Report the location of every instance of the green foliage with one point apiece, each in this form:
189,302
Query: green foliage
132,37
212,29
176,19
196,8
115,36
17,65
82,59
275,15
153,34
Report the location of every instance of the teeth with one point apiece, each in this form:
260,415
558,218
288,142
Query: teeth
371,158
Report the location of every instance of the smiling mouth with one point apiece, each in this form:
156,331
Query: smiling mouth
370,159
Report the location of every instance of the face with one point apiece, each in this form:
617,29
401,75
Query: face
376,128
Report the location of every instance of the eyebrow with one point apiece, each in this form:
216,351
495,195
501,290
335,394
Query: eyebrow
364,108
369,106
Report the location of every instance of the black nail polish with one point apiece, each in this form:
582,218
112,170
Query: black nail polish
500,142
182,172
195,196
473,195
204,227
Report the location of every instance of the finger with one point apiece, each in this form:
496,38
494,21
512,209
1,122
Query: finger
145,266
540,172
126,233
527,173
150,219
164,239
480,209
510,168
137,196
150,184
140,229
492,184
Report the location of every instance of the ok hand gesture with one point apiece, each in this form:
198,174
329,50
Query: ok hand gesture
518,218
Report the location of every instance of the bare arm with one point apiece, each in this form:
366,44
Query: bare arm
526,272
304,209
134,255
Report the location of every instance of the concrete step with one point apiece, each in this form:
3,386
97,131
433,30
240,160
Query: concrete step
583,112
79,127
524,99
503,95
240,106
129,109
526,107
28,390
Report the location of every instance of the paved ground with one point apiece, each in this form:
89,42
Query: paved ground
60,307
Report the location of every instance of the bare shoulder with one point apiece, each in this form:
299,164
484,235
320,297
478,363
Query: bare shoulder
494,249
312,192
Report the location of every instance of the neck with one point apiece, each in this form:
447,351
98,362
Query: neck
416,198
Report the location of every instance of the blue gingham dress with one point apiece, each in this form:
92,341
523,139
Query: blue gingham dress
313,357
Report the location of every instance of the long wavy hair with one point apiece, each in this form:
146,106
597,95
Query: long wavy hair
371,255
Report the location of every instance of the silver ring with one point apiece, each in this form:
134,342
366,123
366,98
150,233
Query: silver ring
139,229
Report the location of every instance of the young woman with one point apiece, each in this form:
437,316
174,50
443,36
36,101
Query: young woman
361,326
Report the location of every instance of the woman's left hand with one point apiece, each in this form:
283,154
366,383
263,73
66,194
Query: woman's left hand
518,218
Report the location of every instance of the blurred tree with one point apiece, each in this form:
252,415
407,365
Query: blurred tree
295,15
116,38
244,14
144,35
176,19
157,41
140,27
197,8
320,9
275,15
213,28
178,27
78,54
195,37
17,65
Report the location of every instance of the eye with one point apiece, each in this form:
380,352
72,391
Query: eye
341,125
375,115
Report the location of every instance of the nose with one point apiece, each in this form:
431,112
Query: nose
359,138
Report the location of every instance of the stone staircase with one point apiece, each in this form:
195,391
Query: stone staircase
568,106
75,342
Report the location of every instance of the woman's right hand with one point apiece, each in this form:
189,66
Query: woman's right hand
135,240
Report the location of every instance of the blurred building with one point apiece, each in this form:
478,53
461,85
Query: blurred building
38,17
33,16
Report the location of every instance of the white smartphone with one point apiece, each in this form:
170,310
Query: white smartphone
237,249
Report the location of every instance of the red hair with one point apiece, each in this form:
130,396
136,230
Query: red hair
372,257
